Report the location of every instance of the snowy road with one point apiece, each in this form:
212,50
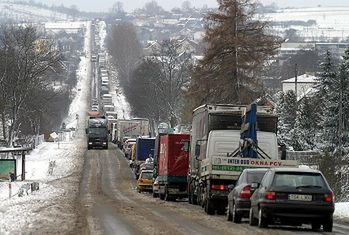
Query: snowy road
111,205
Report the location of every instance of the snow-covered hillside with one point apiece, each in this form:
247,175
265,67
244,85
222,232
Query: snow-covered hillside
26,13
331,22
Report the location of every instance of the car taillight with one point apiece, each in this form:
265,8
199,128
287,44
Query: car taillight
246,192
328,197
218,186
269,195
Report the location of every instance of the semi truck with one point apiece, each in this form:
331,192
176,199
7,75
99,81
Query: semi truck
129,128
173,162
97,132
144,150
217,150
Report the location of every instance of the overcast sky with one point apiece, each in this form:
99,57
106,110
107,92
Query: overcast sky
129,5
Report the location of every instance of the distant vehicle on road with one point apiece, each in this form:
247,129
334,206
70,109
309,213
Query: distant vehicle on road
145,181
97,132
239,203
293,196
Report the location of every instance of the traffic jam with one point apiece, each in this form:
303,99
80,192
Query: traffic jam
263,189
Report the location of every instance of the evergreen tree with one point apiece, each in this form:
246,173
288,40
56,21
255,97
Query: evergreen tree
280,104
334,140
290,114
334,93
238,46
306,126
327,76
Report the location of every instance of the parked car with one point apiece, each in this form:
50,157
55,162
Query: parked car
156,187
145,181
239,203
293,196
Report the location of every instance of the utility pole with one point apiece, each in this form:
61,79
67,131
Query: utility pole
236,51
295,80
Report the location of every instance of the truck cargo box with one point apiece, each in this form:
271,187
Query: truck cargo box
174,155
144,147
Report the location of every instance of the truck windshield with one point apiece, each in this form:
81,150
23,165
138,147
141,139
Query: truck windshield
233,122
97,131
224,122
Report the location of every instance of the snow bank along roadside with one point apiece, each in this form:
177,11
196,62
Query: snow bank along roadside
52,209
342,211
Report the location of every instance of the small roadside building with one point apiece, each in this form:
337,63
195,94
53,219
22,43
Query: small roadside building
302,84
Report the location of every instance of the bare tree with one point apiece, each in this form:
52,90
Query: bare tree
186,6
158,83
125,49
27,57
118,9
175,66
152,8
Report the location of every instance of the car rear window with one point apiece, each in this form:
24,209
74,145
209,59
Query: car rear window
255,177
147,175
298,179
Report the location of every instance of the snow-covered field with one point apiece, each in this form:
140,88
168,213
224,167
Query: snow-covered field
29,13
331,21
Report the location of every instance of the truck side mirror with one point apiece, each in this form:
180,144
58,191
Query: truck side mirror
197,151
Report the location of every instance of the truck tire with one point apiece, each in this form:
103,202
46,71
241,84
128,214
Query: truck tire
209,209
168,197
191,196
88,147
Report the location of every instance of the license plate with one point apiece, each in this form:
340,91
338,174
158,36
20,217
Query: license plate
300,197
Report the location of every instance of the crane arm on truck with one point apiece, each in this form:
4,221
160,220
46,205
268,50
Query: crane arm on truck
248,138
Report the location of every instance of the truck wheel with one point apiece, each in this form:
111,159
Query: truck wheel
88,147
192,198
209,209
106,147
167,195
195,201
161,196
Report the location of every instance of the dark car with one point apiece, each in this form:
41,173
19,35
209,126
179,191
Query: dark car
293,196
239,197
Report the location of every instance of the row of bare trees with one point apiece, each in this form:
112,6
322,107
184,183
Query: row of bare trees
154,85
166,86
26,93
